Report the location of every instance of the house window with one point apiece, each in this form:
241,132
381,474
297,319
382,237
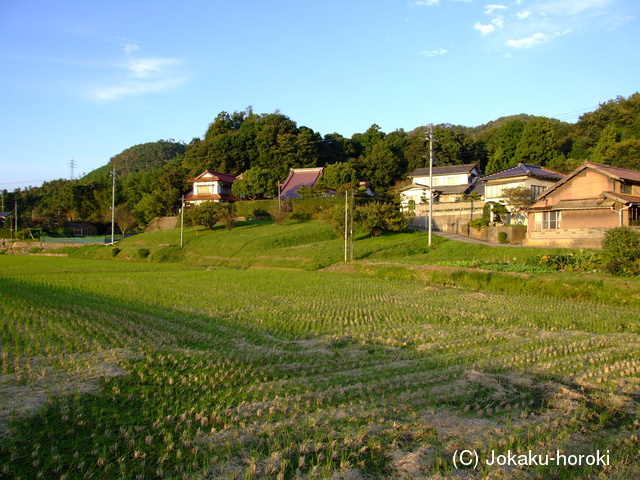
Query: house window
491,191
204,189
547,220
536,190
625,188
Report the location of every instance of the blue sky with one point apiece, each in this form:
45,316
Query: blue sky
88,79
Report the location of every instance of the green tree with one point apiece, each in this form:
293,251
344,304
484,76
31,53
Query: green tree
609,137
537,145
255,183
377,218
337,175
206,214
502,143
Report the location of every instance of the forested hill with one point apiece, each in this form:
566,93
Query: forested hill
139,157
153,176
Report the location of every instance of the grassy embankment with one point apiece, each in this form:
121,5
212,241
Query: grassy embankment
404,256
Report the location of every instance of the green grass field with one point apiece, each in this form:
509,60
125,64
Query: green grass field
381,369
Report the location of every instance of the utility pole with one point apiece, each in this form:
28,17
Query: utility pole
346,224
430,180
113,205
351,226
182,223
16,214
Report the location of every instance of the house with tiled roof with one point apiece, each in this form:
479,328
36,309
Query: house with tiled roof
299,177
577,210
210,186
533,178
450,184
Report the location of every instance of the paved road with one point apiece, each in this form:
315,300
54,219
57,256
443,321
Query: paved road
465,239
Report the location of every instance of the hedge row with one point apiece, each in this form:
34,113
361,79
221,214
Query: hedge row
310,206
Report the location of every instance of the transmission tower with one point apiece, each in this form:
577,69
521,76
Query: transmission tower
72,165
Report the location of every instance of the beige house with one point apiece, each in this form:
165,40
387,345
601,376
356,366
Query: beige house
532,177
210,186
578,209
450,184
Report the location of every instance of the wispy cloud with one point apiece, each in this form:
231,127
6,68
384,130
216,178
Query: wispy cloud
535,22
127,89
137,76
489,9
433,53
528,42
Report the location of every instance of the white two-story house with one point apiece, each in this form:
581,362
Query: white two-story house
210,186
450,184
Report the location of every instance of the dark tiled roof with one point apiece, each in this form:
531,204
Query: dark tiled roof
525,169
622,197
297,178
445,170
583,204
224,177
616,172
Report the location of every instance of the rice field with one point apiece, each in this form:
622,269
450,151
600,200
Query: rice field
140,371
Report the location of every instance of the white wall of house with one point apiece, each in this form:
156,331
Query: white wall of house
210,187
444,180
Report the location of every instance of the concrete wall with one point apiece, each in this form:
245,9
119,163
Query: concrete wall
450,217
567,238
516,234
17,247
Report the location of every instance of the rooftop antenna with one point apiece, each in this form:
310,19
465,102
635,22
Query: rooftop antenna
72,165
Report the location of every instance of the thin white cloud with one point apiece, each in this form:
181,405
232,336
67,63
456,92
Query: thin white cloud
526,24
570,7
489,9
128,89
432,3
528,42
141,76
433,53
147,67
130,47
484,29
498,22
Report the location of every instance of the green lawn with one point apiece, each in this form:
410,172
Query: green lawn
136,369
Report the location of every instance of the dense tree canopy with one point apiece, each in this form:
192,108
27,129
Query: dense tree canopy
151,177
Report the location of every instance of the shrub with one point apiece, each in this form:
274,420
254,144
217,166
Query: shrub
142,253
36,250
301,216
503,237
478,223
206,214
381,217
280,211
583,260
499,212
621,248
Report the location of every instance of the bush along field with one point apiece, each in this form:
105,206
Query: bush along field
155,370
